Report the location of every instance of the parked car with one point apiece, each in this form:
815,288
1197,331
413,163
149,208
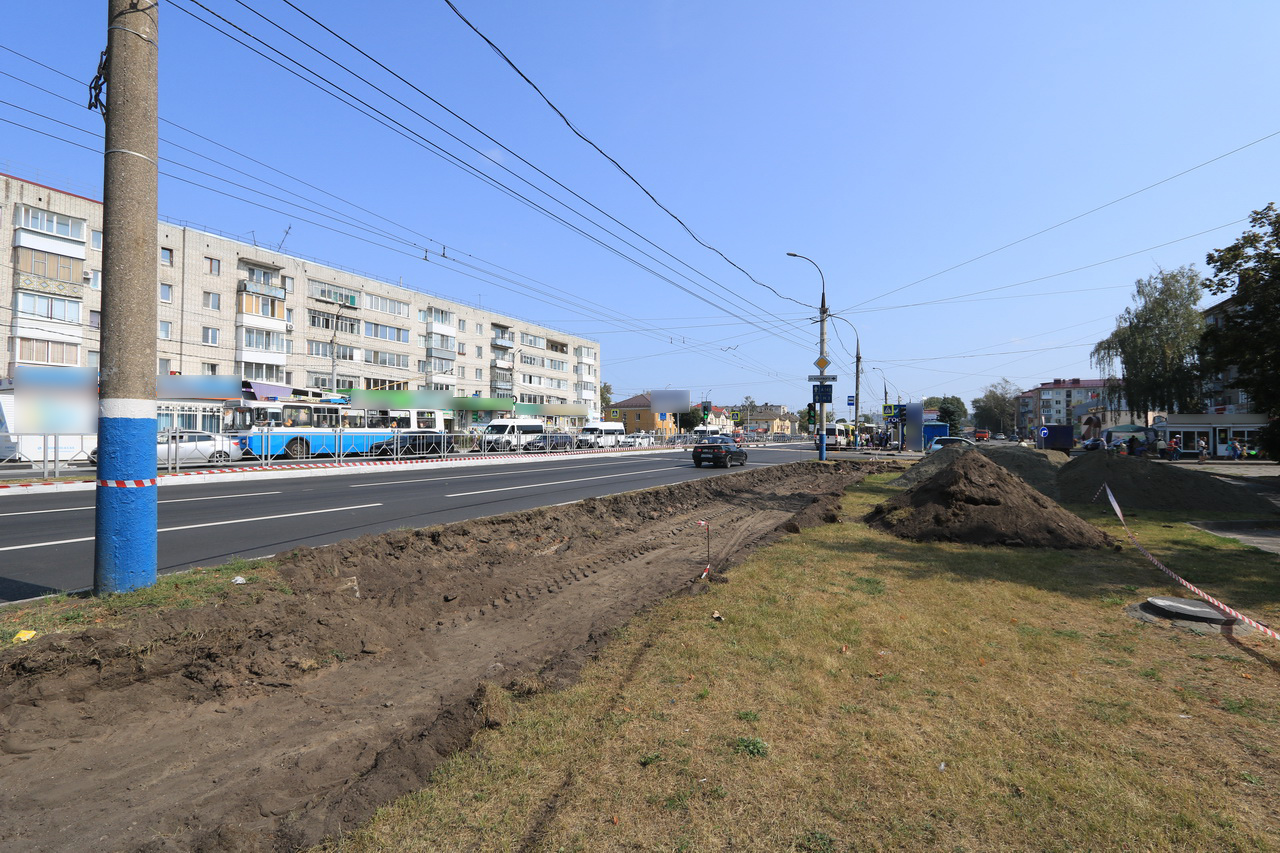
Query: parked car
1000,436
1093,444
718,450
636,439
948,441
191,448
549,441
414,443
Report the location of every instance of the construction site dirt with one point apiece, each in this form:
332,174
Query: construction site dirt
291,711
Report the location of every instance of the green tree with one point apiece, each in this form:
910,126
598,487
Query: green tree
997,408
951,411
606,395
1156,343
1248,339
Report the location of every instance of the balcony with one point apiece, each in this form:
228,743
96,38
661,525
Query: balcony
439,352
249,286
504,341
501,385
502,364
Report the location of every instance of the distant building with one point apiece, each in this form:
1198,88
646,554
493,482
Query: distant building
1068,401
230,307
1222,397
636,414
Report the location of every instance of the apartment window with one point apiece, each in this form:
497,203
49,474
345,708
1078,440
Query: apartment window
166,330
95,319
213,266
95,239
386,359
212,301
533,340
386,333
637,417
462,325
263,306
262,372
479,373
51,223
462,348
166,256
261,339
209,335
480,329
479,352
209,368
48,352
286,281
95,279
556,364
49,307
260,276
166,292
332,292
288,316
91,359
439,315
386,305
164,366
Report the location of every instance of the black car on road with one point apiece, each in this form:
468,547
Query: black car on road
414,443
718,450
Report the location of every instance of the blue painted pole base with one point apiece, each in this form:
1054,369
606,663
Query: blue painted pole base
125,550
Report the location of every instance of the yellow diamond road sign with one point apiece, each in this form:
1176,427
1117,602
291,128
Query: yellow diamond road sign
822,363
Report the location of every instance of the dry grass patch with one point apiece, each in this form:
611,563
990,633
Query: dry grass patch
180,590
864,692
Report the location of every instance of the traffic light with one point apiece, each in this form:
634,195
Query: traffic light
813,415
706,408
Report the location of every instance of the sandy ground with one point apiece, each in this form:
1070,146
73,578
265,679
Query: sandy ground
291,714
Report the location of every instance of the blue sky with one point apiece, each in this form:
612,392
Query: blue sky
920,154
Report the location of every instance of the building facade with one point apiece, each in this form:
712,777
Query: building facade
227,307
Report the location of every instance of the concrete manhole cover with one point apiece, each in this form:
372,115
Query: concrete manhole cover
1189,608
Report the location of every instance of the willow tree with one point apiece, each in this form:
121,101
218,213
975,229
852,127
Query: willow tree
1156,343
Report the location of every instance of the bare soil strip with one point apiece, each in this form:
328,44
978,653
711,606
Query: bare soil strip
295,713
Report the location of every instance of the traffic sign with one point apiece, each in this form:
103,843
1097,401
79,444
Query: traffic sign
891,420
1044,432
822,363
823,377
850,401
822,393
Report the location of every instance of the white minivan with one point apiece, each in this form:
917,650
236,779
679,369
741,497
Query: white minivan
601,434
506,434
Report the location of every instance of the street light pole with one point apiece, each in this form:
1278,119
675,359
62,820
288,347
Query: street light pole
822,353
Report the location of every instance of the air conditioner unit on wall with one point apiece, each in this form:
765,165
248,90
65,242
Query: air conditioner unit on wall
288,327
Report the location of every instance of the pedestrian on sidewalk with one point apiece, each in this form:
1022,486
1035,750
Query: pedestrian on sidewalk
1203,447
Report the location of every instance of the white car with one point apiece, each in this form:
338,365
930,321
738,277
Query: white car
948,441
636,439
191,448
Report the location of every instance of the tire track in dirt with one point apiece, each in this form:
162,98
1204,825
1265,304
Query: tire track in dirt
269,722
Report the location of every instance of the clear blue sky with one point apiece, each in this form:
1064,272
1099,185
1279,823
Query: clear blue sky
900,146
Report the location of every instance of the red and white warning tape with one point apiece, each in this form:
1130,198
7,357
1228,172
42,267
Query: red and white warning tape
1161,566
127,484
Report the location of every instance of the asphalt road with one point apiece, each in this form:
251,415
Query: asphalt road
47,539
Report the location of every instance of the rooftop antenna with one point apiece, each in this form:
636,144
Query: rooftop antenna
287,229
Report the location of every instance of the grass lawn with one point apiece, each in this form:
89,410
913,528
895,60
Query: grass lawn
863,692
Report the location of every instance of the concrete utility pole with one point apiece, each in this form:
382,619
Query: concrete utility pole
125,544
822,355
857,395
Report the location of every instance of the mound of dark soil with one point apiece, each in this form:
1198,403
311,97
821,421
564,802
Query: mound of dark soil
1037,468
279,716
1148,484
976,501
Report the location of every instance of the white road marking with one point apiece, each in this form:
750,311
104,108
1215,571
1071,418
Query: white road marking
555,483
451,476
193,526
172,501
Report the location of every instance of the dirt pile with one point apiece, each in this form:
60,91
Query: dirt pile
1148,484
292,713
1038,468
977,501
